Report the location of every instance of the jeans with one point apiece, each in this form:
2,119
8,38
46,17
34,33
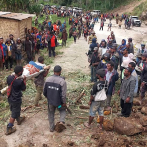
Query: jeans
51,113
93,74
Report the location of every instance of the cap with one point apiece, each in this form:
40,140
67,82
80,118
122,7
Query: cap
129,69
107,55
144,55
103,40
92,32
1,37
101,73
96,48
57,68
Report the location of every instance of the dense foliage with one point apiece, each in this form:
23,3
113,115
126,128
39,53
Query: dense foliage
31,5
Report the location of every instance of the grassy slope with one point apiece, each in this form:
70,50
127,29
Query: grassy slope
139,9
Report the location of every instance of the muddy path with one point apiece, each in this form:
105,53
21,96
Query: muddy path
35,130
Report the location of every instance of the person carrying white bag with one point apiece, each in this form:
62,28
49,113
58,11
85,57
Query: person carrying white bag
98,98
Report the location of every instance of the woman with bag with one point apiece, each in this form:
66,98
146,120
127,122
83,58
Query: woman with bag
97,99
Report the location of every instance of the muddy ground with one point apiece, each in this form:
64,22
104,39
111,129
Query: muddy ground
35,130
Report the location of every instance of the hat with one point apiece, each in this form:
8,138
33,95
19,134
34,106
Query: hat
144,55
57,68
18,69
92,32
129,69
1,37
101,73
107,55
96,48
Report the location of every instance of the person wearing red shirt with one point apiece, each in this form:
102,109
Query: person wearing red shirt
52,43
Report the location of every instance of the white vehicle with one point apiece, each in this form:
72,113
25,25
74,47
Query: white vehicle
63,7
95,12
75,9
135,21
80,10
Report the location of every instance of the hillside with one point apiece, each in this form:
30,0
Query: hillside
130,8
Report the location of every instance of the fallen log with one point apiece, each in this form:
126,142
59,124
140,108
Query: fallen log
81,95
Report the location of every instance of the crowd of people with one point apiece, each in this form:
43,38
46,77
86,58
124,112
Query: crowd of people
106,58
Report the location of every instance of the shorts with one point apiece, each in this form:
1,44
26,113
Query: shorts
18,56
15,109
97,107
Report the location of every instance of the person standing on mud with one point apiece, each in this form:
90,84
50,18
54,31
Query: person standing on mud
55,91
14,98
39,82
97,104
126,93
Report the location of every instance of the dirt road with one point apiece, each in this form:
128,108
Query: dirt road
35,130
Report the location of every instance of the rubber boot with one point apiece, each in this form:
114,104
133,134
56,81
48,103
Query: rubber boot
10,130
20,120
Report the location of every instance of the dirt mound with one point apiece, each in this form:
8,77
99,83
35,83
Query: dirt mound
144,110
59,127
108,125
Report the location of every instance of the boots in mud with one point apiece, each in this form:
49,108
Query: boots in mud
10,130
20,120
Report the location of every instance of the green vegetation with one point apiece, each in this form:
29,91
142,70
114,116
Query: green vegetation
139,9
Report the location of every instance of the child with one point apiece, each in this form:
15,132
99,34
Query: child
109,26
75,36
10,54
18,52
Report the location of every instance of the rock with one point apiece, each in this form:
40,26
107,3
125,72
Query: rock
108,125
143,120
127,126
144,110
59,127
136,102
3,143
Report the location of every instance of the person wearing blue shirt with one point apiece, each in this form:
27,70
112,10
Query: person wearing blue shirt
39,37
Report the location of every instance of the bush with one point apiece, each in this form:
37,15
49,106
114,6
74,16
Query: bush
36,8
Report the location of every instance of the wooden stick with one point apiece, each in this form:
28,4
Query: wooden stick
81,95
